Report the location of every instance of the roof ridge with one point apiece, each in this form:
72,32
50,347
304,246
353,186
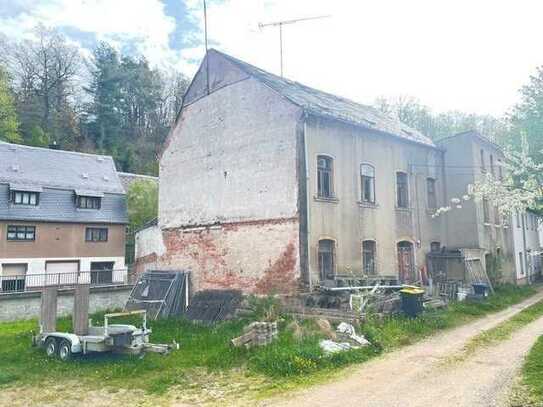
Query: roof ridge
57,151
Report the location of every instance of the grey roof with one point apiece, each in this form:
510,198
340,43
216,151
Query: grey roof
325,104
33,166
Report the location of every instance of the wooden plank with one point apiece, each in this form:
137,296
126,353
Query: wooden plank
48,310
81,309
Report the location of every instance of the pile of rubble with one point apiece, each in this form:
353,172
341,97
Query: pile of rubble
257,334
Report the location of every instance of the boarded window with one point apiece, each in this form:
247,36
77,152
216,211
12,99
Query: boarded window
431,190
96,234
367,178
326,259
402,190
368,257
325,177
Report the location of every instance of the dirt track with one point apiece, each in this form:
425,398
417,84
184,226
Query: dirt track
421,375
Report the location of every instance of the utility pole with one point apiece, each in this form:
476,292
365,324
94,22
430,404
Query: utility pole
280,24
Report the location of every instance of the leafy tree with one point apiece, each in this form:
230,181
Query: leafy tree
142,198
9,124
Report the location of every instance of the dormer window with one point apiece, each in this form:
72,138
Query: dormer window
89,202
24,195
25,198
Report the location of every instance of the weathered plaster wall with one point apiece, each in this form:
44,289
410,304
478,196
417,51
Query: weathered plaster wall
228,206
348,221
257,257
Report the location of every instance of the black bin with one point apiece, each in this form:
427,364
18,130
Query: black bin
411,301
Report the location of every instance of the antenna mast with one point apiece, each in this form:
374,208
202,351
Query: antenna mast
280,24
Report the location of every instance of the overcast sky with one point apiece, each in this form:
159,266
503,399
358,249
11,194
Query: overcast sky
470,55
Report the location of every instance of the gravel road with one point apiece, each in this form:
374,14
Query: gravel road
422,375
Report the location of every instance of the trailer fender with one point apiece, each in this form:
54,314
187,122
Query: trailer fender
74,340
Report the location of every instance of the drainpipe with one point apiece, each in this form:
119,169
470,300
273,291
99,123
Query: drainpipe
308,205
523,217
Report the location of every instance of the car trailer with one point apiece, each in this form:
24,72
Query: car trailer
86,338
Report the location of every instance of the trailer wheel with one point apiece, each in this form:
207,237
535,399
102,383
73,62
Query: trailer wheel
65,350
51,347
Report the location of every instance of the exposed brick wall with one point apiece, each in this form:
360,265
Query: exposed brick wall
255,257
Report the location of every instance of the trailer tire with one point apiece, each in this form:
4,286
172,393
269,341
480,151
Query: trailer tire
65,350
51,347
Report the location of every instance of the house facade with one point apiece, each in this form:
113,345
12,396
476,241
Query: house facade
60,213
527,246
267,185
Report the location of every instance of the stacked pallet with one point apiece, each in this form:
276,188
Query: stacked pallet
257,334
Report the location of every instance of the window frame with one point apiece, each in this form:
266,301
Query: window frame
320,180
25,232
96,202
14,193
322,274
433,196
405,186
371,180
483,163
433,245
486,211
373,252
91,237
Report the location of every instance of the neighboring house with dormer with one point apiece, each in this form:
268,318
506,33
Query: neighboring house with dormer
61,212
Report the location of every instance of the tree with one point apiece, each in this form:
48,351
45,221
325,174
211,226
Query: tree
526,118
9,124
413,113
142,198
45,70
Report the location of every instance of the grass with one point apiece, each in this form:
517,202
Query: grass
286,363
532,371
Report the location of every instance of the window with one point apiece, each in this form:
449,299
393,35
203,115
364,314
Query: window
367,177
492,164
326,259
483,165
21,233
435,247
88,202
25,198
497,220
518,219
96,234
324,177
402,191
486,211
431,189
521,260
13,277
368,257
500,170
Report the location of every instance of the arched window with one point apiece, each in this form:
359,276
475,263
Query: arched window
325,177
326,259
367,178
402,190
368,257
431,191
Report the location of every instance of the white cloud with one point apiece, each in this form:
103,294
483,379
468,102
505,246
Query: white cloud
452,54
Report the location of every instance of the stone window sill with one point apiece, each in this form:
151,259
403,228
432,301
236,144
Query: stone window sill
370,205
403,209
322,199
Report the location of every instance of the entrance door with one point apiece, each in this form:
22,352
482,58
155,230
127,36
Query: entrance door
406,262
101,272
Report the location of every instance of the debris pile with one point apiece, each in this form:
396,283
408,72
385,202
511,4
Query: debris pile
257,334
347,339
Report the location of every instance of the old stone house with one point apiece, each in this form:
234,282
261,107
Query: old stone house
267,185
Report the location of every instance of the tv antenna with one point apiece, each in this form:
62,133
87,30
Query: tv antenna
280,24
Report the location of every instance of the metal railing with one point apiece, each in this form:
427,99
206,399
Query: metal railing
36,282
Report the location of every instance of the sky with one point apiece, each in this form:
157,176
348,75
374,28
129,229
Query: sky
450,54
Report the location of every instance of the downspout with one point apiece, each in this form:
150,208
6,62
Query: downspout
523,217
308,206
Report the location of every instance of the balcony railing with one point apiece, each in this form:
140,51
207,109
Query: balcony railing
36,282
